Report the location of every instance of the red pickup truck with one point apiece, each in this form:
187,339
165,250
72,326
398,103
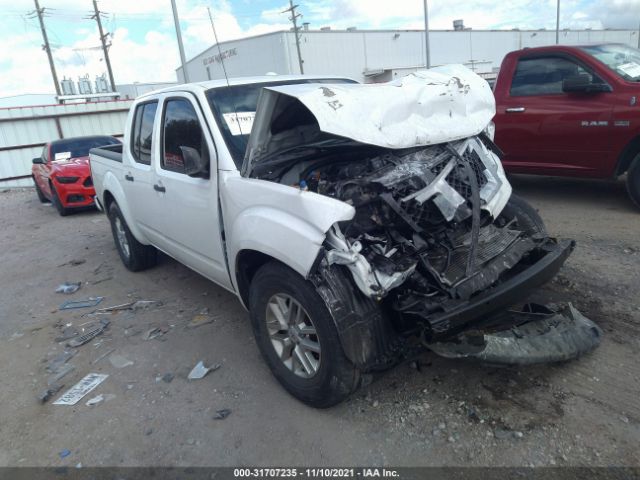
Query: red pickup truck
571,111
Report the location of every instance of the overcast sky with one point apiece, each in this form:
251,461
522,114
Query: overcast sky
144,46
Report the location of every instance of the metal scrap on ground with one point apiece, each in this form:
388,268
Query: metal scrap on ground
199,371
68,287
89,334
89,302
80,389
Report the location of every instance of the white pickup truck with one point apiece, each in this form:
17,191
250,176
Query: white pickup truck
358,224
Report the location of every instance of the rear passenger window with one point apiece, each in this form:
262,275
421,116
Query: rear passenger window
181,128
543,76
142,132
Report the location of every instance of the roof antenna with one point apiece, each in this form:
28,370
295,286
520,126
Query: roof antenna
224,69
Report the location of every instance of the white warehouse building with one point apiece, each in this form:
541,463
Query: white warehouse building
379,55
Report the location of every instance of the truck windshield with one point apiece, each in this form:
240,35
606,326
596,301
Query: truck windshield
622,60
234,108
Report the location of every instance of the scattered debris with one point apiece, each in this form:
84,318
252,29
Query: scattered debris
64,453
108,352
54,365
80,389
49,392
200,319
155,332
90,334
222,414
68,288
199,371
134,306
145,304
62,372
167,378
94,401
74,263
67,334
148,431
119,361
90,302
100,280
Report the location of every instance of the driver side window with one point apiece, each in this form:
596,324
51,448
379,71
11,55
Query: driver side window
544,76
180,128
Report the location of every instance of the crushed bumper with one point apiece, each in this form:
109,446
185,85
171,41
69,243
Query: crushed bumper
511,291
537,335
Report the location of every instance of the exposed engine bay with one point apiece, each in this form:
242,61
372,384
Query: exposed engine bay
433,247
427,231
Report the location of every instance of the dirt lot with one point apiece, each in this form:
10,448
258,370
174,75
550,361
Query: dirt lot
435,412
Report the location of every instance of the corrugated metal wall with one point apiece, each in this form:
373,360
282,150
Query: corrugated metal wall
25,130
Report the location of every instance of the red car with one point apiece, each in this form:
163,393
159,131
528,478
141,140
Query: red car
571,111
62,174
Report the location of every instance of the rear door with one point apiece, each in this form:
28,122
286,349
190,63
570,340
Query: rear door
138,173
186,206
543,130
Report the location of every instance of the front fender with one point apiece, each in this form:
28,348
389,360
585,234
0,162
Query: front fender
277,220
111,186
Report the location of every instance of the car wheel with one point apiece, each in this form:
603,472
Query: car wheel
41,196
55,199
527,218
298,338
133,254
633,182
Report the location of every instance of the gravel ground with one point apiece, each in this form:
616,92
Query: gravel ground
431,412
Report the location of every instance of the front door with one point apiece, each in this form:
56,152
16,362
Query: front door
187,205
542,130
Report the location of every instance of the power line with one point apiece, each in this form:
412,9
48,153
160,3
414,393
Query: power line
40,13
294,19
103,40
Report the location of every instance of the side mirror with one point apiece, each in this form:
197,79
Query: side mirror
194,164
583,83
38,161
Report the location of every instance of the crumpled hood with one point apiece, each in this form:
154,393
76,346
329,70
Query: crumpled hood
427,107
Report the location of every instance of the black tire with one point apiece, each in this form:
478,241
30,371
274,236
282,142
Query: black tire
527,217
63,211
138,256
336,377
41,196
633,181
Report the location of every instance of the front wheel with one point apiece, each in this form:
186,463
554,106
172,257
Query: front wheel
527,218
41,196
298,339
55,199
633,182
133,254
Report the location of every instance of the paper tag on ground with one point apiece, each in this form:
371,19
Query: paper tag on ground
80,389
242,124
632,69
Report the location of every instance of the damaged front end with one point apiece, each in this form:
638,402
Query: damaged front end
429,253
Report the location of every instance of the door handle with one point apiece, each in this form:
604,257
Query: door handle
159,188
515,109
128,177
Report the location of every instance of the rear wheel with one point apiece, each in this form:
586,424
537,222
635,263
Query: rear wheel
41,196
133,254
527,218
633,181
298,339
55,199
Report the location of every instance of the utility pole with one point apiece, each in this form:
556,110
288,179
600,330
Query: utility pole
103,41
426,34
46,47
557,22
294,19
180,46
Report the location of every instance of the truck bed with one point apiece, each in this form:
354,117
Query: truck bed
110,152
